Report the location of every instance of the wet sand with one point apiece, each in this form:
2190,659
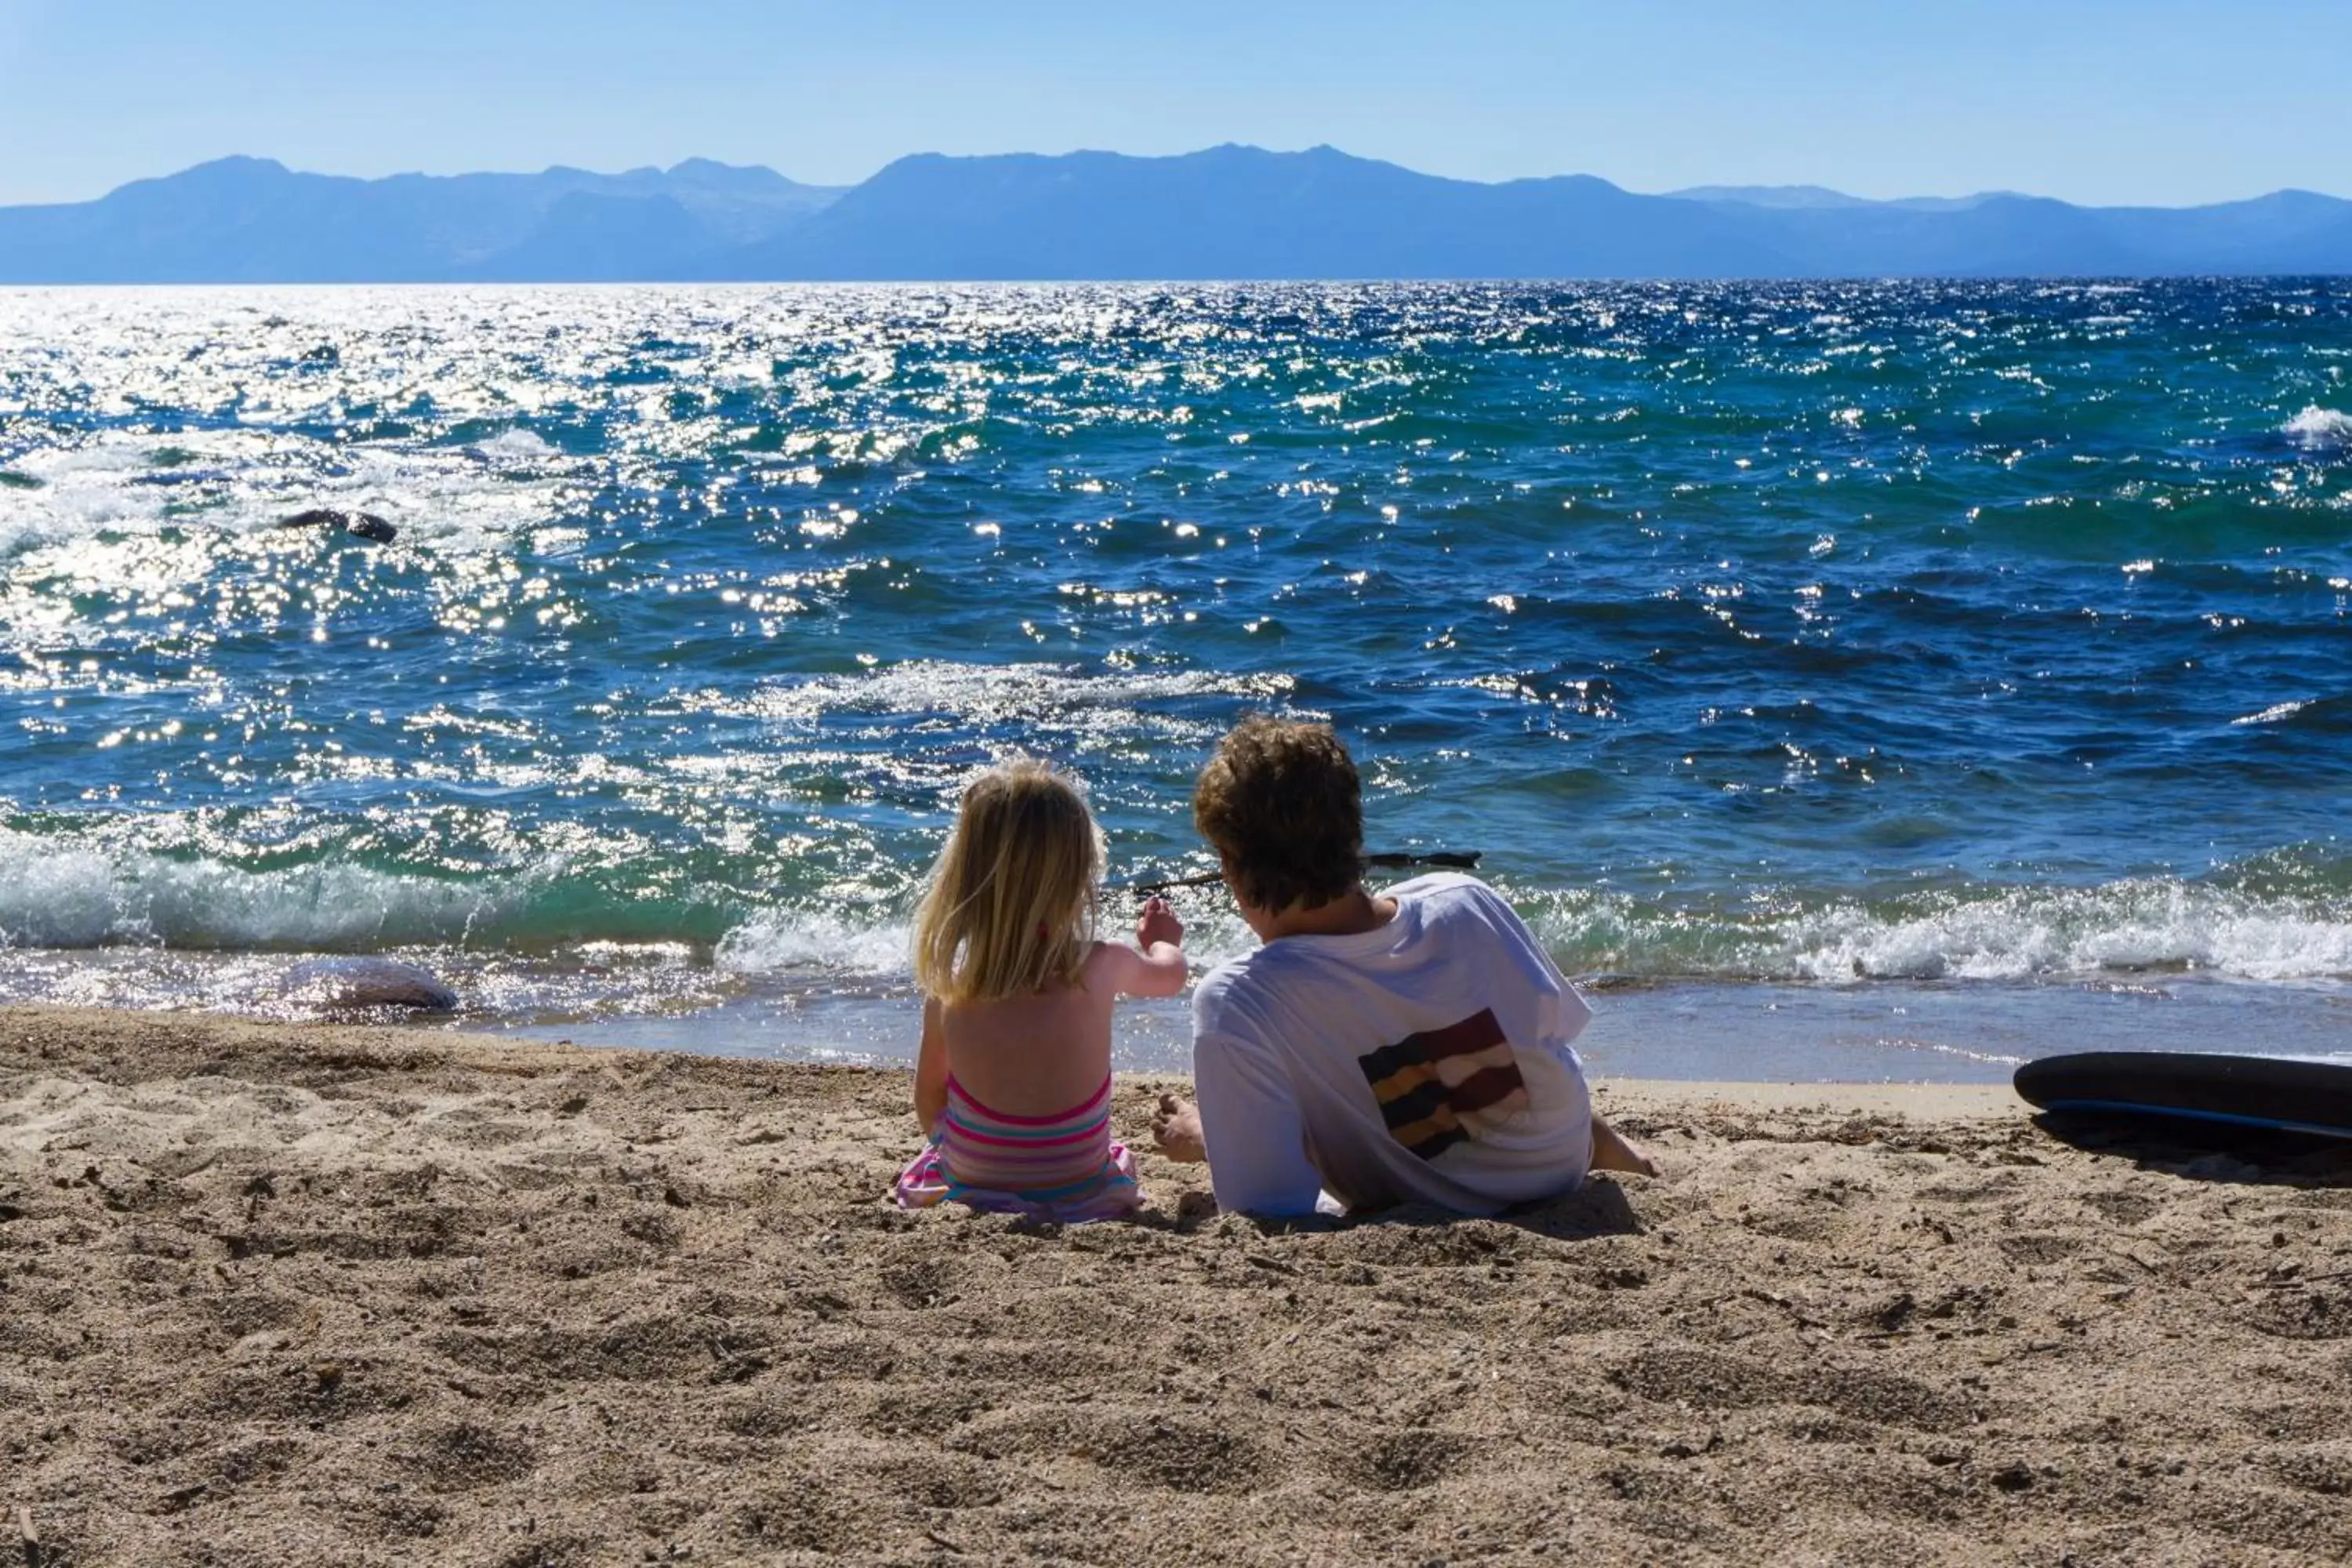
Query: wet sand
311,1294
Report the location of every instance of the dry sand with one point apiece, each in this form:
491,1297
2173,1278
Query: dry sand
279,1294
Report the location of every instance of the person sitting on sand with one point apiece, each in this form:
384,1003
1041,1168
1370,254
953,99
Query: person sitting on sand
1012,1079
1377,1048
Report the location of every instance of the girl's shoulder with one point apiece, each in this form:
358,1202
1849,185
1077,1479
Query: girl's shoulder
1105,961
1093,969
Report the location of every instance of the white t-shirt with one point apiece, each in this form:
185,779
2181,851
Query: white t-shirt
1427,1059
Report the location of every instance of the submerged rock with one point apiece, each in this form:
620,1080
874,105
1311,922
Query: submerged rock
358,524
344,983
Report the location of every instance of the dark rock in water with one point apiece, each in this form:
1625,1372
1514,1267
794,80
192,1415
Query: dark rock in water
358,524
339,983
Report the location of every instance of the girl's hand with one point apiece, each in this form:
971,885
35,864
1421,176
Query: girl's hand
1157,924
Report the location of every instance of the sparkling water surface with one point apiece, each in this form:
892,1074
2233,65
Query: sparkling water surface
1849,681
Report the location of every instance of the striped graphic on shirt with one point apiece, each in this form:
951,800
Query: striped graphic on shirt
1443,1087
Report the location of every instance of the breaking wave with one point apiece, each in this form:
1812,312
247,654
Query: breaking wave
2159,924
2284,918
78,893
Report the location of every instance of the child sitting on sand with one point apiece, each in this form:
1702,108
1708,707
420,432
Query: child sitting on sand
1013,1076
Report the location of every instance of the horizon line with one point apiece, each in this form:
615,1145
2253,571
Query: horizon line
1677,194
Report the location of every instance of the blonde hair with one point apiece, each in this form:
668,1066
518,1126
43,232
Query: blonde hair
1011,909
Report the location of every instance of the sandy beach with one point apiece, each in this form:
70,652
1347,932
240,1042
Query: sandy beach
273,1293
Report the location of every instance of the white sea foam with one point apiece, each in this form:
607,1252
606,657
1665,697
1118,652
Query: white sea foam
1039,697
2317,427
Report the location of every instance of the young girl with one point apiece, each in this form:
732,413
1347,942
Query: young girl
1013,1076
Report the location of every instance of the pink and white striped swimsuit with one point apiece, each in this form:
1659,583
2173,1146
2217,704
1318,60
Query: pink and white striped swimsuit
1065,1167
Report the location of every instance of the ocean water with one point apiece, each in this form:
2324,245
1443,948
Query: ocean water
1868,680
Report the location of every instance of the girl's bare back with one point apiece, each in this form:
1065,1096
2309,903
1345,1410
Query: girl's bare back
1041,1054
1033,1056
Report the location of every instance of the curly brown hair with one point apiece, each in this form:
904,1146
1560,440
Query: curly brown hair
1281,805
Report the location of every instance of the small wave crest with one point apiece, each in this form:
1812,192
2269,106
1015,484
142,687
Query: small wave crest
516,446
2317,427
777,940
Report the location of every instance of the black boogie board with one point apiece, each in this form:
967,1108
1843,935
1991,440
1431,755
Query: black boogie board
2280,1093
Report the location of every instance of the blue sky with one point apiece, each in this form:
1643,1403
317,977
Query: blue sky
2092,100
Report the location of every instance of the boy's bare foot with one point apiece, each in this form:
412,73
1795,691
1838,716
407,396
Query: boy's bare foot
1176,1128
1611,1151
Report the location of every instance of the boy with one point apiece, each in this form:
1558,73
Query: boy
1410,1045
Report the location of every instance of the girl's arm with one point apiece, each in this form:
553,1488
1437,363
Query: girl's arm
1155,966
931,1069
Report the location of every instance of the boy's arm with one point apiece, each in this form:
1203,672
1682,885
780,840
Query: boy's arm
931,1069
1566,1012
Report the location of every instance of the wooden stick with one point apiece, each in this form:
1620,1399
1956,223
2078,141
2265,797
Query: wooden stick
28,1537
1459,859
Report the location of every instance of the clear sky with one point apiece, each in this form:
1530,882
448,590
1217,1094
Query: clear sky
2096,101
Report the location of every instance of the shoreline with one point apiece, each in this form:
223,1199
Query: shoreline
355,1293
1878,1032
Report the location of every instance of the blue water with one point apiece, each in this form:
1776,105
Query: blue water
1850,680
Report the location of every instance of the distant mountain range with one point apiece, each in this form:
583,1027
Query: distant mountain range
1225,213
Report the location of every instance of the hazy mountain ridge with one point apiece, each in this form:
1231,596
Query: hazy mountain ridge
1225,212
1239,212
252,220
